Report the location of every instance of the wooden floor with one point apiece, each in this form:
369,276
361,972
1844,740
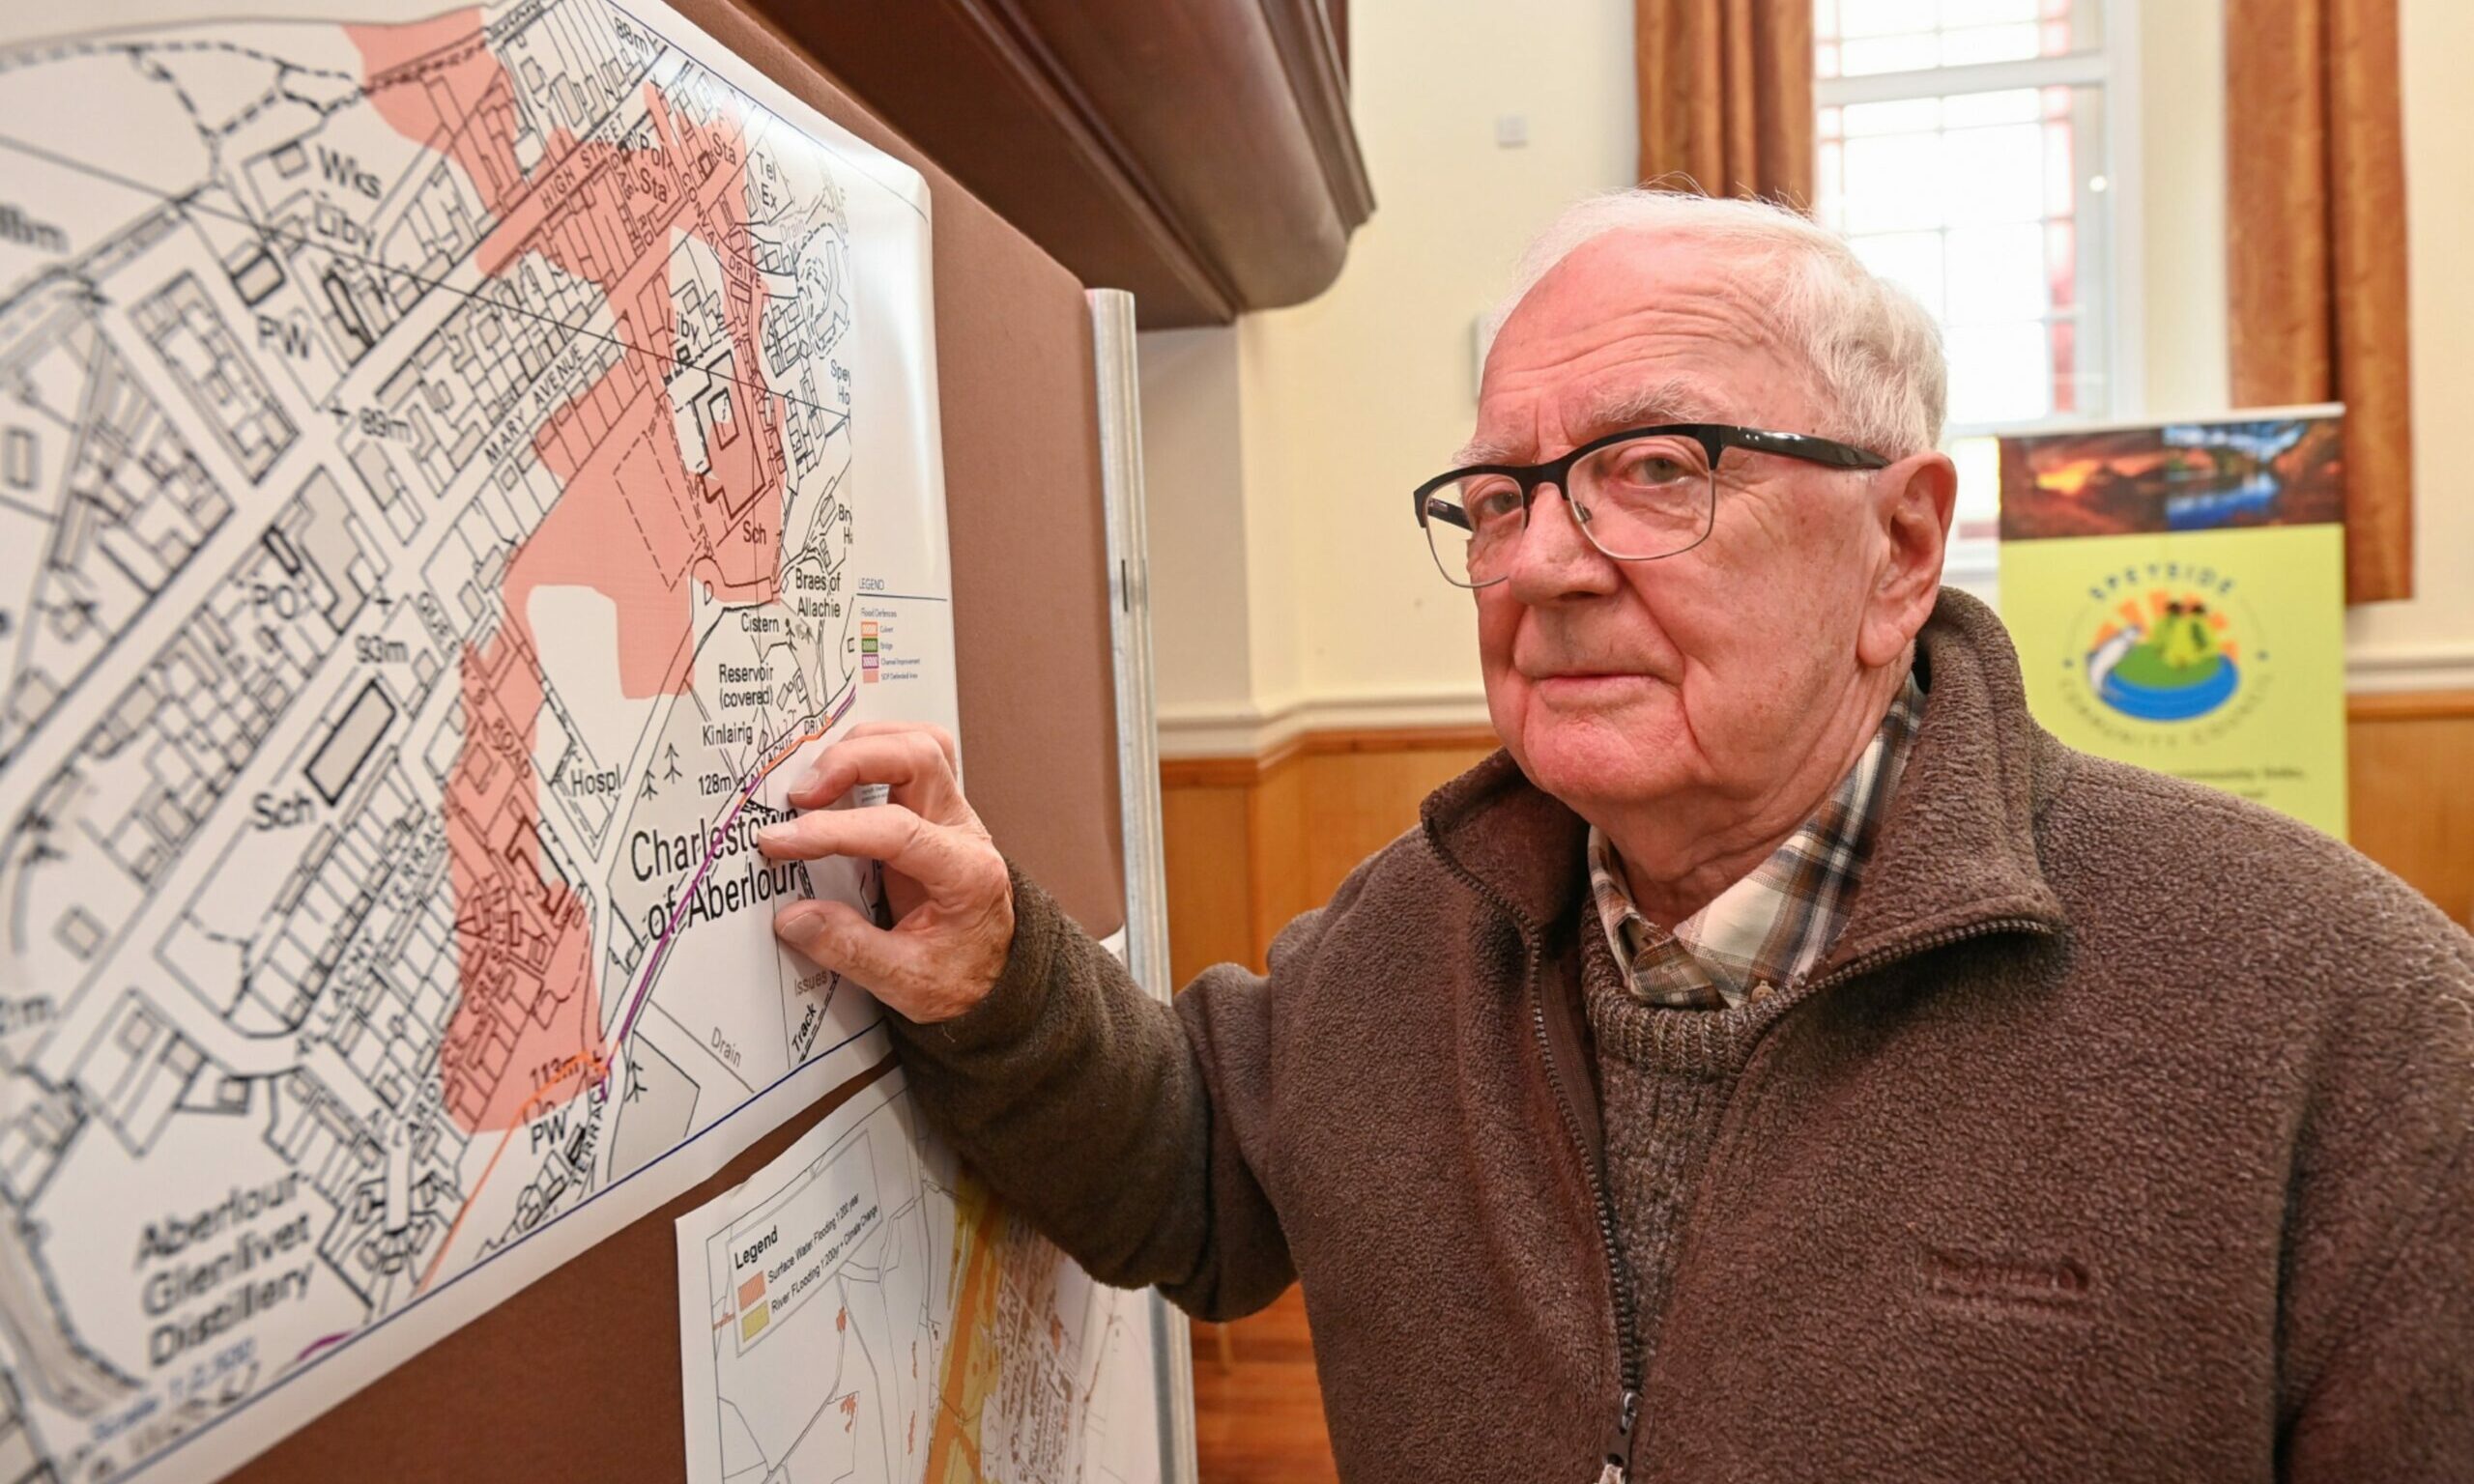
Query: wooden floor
1257,1414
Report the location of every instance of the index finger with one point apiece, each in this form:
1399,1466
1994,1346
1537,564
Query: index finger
945,742
906,761
941,859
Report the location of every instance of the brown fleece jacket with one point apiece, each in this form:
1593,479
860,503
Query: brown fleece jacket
2121,1135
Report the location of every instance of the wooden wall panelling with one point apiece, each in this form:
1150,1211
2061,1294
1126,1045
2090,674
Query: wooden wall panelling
1208,856
1250,843
1362,789
1282,819
2411,790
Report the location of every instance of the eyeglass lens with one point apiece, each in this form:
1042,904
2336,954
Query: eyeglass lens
1636,500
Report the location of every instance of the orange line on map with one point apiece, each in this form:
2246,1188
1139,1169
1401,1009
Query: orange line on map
785,754
957,1427
523,1115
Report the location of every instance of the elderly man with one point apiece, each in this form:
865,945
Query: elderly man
1783,1061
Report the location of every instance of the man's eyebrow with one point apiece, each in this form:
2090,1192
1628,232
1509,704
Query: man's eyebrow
1674,400
1481,450
1611,408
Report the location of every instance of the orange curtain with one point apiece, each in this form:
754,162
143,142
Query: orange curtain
2315,234
1726,95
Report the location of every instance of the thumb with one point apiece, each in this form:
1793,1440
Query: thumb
835,935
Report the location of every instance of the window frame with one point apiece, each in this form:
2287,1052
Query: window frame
2113,68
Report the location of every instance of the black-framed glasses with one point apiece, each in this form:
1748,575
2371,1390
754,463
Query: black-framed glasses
1638,494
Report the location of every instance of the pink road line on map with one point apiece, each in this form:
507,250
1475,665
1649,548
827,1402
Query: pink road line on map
712,853
315,1346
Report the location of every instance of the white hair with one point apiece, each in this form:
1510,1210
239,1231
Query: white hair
1875,352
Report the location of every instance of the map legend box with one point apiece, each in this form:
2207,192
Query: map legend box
794,1245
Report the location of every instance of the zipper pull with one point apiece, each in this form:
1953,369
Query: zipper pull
1619,1443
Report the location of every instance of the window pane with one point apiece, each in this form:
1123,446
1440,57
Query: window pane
2061,264
1996,274
1899,116
1879,17
1999,373
1994,174
1893,182
1987,12
2070,388
2005,105
2073,26
1854,37
1971,44
1861,57
1989,208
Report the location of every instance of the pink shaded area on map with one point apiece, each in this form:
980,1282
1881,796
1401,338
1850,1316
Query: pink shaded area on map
631,520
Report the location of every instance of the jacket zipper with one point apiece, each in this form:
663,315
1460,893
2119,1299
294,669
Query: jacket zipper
1616,1457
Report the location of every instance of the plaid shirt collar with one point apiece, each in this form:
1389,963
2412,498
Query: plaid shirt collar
1769,928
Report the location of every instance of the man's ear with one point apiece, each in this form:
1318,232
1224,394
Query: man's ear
1914,498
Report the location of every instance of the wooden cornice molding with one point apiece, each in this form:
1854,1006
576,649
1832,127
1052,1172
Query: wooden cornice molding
1311,49
1199,155
1013,41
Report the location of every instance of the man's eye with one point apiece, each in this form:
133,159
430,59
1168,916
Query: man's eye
1653,469
1496,504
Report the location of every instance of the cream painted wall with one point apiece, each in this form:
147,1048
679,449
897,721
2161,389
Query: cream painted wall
2181,112
1349,400
1346,401
1194,476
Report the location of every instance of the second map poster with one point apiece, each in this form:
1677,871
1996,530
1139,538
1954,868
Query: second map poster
861,1309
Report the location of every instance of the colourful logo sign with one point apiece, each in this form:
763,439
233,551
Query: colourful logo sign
2176,591
2172,658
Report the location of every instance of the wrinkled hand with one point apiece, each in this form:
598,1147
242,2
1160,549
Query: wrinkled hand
953,904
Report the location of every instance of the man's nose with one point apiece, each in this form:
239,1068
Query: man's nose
1555,558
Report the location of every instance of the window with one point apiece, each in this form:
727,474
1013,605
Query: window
1975,152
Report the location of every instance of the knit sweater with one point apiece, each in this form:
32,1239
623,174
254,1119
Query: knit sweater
1664,1076
2121,1135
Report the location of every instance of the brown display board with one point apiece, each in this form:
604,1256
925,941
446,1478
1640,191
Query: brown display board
576,1378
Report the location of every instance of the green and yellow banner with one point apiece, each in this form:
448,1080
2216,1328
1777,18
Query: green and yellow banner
2176,591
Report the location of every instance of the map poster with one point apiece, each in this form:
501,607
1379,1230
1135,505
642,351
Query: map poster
454,465
861,1309
2177,593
